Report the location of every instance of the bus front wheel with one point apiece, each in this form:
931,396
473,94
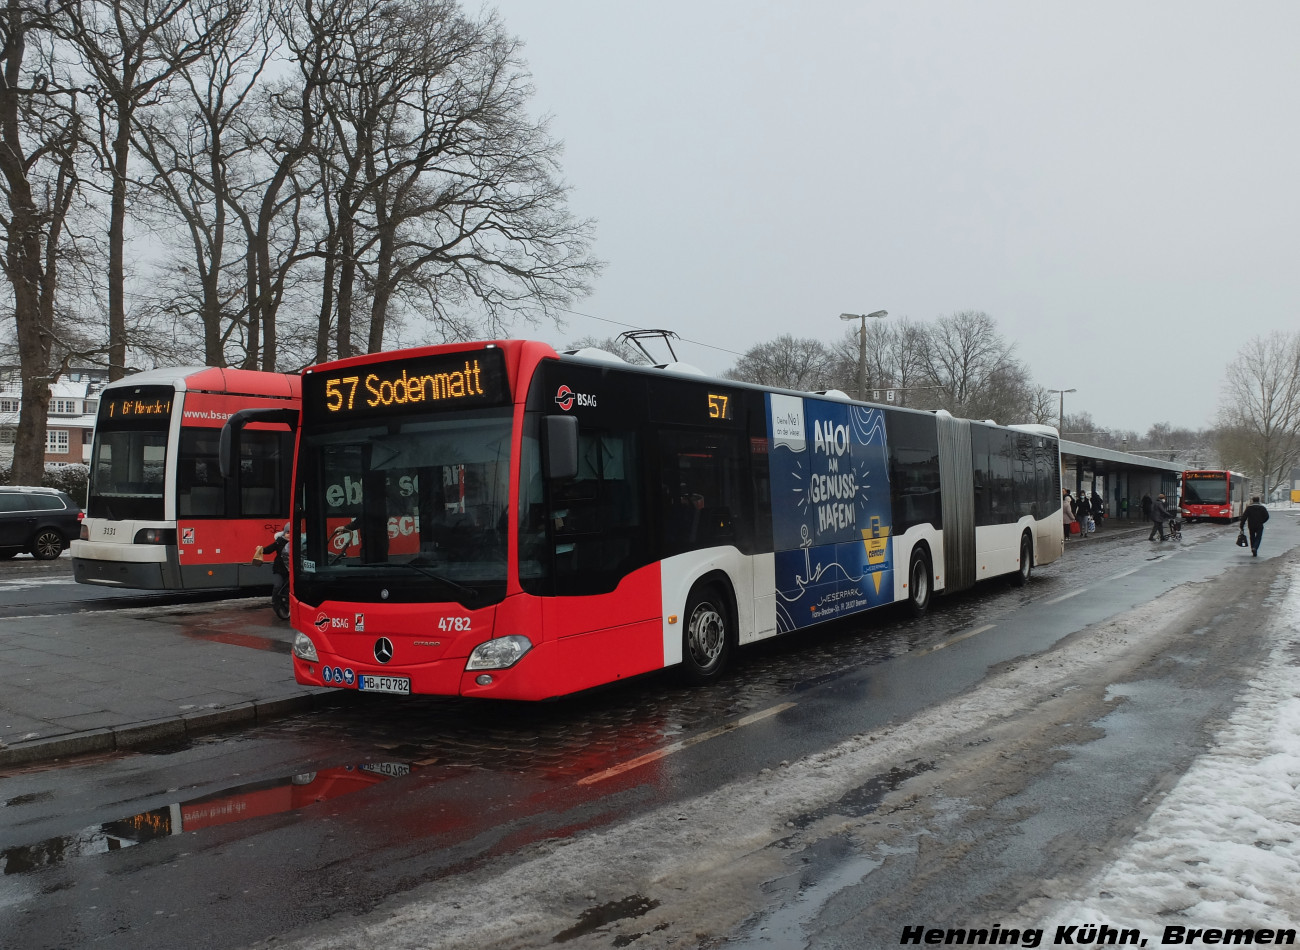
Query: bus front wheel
919,584
706,638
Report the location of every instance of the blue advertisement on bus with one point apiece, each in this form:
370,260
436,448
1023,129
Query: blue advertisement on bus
830,509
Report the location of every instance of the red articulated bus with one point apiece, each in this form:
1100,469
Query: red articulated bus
1221,496
159,514
500,520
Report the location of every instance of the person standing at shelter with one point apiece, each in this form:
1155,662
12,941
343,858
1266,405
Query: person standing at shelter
1253,518
1067,512
1159,515
1081,512
1146,507
1097,508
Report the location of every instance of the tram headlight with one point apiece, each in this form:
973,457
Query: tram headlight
500,653
304,649
155,536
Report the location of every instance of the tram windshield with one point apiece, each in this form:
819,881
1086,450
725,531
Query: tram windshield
128,468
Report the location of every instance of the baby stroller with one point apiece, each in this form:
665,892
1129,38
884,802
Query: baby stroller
1175,527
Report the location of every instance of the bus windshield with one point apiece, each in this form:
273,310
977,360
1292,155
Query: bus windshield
409,510
127,471
1203,490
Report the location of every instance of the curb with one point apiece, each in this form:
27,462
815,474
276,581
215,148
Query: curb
138,735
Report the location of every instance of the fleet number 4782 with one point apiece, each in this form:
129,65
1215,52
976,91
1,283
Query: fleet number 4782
454,623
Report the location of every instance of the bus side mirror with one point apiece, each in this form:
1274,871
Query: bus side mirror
561,446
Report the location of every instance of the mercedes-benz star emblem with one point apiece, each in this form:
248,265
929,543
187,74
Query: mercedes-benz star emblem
383,649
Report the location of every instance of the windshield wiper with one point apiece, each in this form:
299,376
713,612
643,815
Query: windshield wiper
454,585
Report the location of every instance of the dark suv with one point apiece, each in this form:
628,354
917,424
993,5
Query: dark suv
39,521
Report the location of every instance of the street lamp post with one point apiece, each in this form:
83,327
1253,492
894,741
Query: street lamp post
862,345
1060,417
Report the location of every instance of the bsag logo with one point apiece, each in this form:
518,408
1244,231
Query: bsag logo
566,398
325,621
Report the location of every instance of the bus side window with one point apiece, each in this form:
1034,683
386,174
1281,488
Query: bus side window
703,490
597,518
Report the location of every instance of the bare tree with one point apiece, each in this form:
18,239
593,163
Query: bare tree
467,195
966,356
788,362
130,50
195,150
895,361
42,133
1260,410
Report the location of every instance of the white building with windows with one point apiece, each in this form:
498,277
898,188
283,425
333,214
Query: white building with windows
70,426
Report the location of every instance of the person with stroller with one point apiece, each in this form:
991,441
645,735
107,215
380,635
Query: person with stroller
1253,518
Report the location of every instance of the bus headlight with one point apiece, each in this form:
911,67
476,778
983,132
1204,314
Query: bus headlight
304,649
499,654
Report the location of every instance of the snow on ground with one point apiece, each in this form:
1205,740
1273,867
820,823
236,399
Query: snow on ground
1223,848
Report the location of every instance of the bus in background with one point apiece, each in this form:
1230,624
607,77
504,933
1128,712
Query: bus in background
499,520
1222,496
158,513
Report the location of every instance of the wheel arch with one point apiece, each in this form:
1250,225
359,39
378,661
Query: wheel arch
682,575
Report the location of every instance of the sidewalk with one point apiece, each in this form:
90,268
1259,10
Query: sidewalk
97,682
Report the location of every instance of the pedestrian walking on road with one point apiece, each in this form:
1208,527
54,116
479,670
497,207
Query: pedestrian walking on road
1159,515
1253,518
1067,512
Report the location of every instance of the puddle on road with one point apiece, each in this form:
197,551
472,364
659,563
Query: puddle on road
251,800
233,638
596,917
29,799
864,799
831,867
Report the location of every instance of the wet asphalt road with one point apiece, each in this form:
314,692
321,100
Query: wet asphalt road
238,838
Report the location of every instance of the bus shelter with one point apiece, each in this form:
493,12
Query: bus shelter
1121,478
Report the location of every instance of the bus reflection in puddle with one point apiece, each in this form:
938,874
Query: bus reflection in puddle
242,802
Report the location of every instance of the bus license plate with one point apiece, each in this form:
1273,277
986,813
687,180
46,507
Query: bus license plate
385,684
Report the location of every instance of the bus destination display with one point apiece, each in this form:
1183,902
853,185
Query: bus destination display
431,384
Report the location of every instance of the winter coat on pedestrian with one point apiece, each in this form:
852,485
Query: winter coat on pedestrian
1254,516
1159,510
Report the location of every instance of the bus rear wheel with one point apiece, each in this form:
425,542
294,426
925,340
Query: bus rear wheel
1026,561
706,637
919,584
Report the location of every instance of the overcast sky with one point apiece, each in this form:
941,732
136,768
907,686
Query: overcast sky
1114,183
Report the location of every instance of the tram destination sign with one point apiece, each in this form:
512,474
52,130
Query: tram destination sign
136,406
446,381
